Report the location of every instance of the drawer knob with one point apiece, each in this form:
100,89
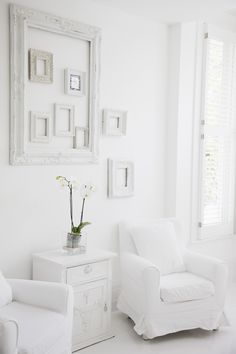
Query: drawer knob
88,269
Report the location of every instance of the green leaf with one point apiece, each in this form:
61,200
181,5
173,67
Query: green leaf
74,230
83,224
77,229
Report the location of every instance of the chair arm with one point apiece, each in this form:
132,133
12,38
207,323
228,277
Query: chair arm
140,282
211,268
52,296
8,336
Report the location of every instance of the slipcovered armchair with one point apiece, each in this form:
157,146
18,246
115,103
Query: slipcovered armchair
165,287
35,317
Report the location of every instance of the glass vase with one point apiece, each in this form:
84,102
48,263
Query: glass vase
75,243
73,240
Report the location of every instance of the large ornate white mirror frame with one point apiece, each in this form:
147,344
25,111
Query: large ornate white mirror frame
21,20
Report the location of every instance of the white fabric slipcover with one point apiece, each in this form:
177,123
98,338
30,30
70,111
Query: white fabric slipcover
158,244
39,319
40,335
180,287
5,291
140,297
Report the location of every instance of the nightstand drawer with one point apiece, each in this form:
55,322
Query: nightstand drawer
87,272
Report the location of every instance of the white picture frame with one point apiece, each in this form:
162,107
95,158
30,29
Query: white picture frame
120,178
74,82
64,124
114,122
23,20
40,127
81,139
40,66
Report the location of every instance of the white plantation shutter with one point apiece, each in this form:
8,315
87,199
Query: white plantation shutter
217,152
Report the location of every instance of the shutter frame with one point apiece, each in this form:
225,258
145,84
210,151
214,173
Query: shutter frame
225,226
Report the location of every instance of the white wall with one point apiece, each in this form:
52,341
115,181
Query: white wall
33,210
172,121
181,135
226,21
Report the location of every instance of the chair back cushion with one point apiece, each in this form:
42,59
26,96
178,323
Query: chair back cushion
158,243
5,292
126,242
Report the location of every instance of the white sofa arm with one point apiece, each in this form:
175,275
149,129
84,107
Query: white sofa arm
140,282
211,268
8,336
52,296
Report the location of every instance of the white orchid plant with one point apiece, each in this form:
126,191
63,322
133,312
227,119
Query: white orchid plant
86,191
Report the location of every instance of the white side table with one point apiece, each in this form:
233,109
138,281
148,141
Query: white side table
90,275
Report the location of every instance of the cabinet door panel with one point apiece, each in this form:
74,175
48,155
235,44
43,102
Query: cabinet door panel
89,298
91,317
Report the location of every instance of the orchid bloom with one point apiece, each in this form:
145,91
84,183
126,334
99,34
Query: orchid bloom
86,191
71,182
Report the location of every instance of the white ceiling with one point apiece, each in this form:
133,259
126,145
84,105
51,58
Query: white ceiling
171,11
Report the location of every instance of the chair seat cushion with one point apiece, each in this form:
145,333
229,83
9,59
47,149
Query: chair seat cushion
40,330
181,287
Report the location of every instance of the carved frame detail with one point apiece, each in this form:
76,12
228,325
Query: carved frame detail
34,56
21,19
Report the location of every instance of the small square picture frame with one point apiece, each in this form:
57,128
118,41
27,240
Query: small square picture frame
114,122
58,116
74,82
40,66
81,138
120,178
40,127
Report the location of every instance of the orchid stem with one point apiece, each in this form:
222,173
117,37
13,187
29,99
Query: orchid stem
82,211
71,209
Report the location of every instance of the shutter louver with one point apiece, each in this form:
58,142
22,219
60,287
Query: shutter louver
217,147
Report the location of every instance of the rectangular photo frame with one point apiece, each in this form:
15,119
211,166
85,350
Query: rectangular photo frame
74,82
40,66
40,127
81,139
120,178
114,122
22,152
64,121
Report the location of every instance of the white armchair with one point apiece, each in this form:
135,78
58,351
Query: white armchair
164,303
38,320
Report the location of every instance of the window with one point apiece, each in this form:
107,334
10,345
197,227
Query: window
217,146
